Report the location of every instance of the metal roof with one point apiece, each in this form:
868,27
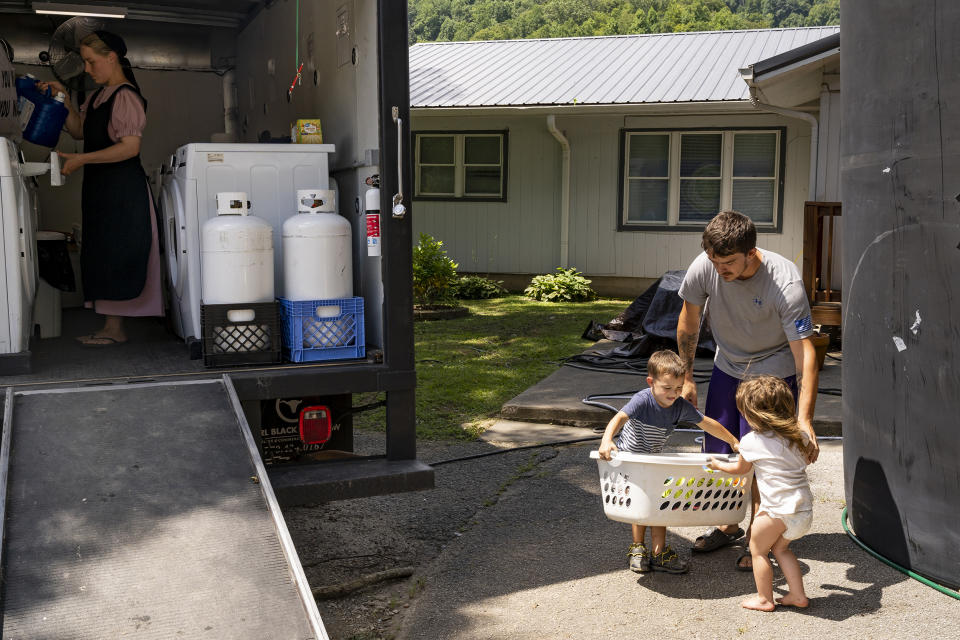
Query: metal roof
635,69
794,56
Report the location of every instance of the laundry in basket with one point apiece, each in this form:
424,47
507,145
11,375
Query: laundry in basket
671,489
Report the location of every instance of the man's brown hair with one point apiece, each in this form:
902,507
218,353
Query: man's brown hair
665,363
728,233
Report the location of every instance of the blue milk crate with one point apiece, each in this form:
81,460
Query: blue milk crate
315,330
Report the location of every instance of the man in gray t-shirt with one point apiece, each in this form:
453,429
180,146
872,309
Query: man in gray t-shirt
760,320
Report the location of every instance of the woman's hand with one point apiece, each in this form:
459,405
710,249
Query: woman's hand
53,85
71,162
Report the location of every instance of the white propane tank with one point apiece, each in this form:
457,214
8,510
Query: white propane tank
317,262
236,254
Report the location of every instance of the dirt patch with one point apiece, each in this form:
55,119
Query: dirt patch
437,312
343,543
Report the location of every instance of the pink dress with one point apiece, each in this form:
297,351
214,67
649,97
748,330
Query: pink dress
129,119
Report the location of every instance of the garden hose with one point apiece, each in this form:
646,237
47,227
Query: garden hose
891,563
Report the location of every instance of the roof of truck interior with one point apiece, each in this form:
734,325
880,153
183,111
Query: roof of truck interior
219,13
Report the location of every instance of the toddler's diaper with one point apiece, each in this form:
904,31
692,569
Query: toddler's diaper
798,524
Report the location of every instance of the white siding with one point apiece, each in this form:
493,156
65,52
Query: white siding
828,175
522,235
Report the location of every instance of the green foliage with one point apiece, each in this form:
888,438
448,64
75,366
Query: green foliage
468,367
478,288
434,273
454,20
567,285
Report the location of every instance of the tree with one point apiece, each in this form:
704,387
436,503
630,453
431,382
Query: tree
432,20
824,12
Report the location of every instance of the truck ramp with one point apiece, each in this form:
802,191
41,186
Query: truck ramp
143,511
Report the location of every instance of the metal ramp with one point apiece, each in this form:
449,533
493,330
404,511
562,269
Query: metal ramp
143,511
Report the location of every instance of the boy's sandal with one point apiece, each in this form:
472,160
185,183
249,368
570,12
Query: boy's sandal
747,567
715,540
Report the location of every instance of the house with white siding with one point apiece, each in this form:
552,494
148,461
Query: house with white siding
610,154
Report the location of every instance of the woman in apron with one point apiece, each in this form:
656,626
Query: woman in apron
120,257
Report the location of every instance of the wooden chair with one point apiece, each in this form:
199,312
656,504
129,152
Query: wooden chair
819,220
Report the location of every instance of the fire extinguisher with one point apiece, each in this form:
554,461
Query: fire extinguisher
372,207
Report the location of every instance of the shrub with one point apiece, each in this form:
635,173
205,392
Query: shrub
434,273
478,288
567,285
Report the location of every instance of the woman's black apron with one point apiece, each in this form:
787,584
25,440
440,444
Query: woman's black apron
116,237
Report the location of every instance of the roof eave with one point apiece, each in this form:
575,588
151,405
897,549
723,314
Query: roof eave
656,108
760,80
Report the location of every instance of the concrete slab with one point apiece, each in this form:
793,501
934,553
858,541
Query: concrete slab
508,433
557,399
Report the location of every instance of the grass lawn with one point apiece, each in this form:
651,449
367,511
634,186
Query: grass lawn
468,367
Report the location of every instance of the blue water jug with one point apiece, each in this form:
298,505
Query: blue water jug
41,116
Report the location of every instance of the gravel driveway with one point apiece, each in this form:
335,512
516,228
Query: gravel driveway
516,546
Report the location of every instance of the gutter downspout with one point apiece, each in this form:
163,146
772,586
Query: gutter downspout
565,191
814,134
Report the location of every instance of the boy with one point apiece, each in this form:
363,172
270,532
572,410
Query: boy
643,426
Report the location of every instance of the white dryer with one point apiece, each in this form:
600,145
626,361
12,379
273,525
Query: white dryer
18,280
270,174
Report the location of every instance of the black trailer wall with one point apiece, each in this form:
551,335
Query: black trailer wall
900,67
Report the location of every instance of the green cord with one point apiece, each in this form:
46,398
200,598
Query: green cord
915,576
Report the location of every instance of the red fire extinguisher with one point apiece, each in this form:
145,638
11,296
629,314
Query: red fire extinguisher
372,207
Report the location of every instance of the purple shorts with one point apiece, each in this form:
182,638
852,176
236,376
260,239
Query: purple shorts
722,407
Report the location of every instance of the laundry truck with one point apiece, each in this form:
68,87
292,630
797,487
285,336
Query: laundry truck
142,481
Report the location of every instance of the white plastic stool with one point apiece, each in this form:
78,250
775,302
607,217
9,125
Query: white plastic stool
46,310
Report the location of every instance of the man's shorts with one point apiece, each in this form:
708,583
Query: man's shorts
722,406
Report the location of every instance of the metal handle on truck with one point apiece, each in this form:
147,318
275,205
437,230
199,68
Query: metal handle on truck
398,209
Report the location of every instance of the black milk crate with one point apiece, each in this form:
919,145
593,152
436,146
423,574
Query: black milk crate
240,334
334,333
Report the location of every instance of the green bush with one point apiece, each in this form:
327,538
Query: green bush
434,274
478,288
567,285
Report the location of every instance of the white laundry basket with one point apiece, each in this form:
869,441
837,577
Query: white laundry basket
671,489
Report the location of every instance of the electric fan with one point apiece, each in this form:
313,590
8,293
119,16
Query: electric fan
63,56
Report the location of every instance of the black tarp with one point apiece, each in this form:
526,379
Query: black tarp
650,322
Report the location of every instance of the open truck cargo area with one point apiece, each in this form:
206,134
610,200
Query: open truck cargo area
130,530
119,459
224,82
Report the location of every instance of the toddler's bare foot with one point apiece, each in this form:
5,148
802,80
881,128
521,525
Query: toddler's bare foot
790,600
758,604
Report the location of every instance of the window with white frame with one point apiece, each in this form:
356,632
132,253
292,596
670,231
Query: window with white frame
681,179
461,165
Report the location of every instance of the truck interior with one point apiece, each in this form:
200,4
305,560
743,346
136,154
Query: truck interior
241,72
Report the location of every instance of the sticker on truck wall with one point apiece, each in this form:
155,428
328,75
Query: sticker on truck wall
214,157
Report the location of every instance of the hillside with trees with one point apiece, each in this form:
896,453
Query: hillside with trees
454,20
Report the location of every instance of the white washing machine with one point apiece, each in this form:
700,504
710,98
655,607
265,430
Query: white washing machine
270,174
18,225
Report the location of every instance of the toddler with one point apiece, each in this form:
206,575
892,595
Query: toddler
776,449
643,426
